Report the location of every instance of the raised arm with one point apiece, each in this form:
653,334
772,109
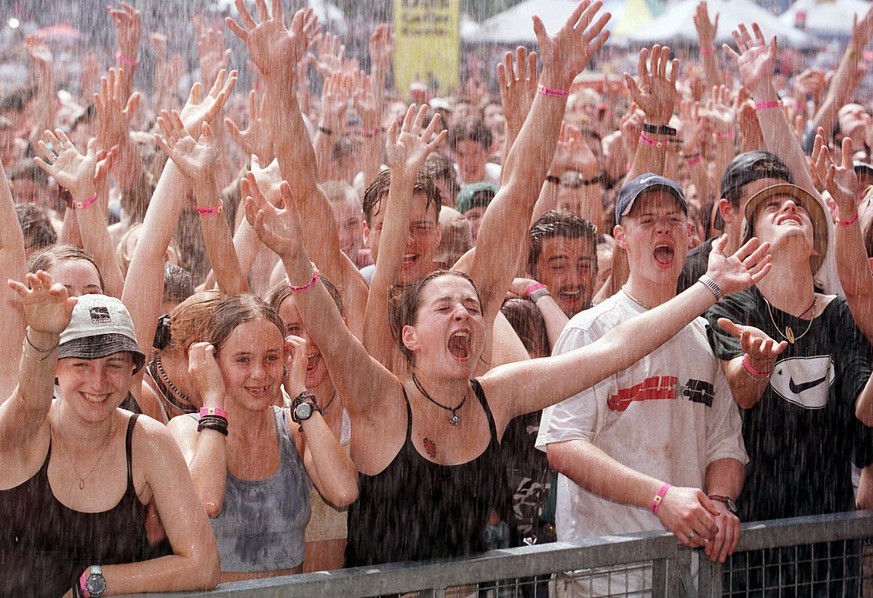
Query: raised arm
114,113
128,28
12,266
506,221
706,32
84,176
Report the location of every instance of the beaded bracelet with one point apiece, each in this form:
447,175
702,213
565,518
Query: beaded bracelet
308,285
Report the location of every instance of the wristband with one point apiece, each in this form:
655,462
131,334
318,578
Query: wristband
204,411
325,131
649,141
659,497
848,222
770,104
535,291
728,135
308,285
83,589
754,373
555,180
695,160
211,211
124,59
371,133
81,205
552,91
707,51
710,284
659,129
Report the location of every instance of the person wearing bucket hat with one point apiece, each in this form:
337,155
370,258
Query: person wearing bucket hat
795,356
106,464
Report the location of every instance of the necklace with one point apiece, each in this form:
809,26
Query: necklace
168,390
329,403
634,299
454,418
100,458
789,332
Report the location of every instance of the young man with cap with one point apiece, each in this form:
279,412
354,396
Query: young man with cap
473,200
798,367
78,472
744,176
659,444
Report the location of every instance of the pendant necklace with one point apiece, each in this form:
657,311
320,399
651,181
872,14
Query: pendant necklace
100,458
789,332
168,390
454,418
329,403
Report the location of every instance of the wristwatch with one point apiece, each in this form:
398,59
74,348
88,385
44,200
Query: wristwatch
95,583
728,502
303,406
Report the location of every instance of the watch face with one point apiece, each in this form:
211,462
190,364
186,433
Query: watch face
303,411
95,584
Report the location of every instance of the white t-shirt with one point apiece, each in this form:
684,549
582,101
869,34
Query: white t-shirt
669,416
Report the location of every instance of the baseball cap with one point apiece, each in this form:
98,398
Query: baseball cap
100,326
746,168
800,196
862,168
644,183
477,195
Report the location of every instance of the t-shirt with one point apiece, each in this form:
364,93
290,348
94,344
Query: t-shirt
803,433
669,416
696,264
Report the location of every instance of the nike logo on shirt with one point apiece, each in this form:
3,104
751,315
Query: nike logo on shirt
799,388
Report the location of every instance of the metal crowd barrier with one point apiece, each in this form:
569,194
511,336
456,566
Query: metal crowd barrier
528,572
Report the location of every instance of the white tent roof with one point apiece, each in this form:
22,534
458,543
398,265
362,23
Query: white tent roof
826,17
676,24
515,25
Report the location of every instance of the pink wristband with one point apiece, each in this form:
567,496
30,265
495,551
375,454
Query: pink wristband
204,411
848,222
211,211
552,91
649,141
308,285
371,133
124,59
754,373
534,286
707,51
694,161
770,104
81,205
728,135
656,502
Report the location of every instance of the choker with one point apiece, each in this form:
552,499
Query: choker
168,390
454,418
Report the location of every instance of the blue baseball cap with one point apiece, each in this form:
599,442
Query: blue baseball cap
644,183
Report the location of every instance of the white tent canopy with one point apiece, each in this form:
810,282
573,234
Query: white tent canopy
825,17
676,24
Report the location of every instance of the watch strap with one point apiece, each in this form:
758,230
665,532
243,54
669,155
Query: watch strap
727,500
304,397
538,294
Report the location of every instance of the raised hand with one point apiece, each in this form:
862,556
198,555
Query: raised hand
273,48
195,158
762,350
278,229
74,171
566,53
206,375
706,29
213,56
756,59
330,54
199,109
408,146
841,181
719,113
114,109
295,365
746,267
128,28
573,154
47,305
381,46
256,138
364,101
517,79
655,93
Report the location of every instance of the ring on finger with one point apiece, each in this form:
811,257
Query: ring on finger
692,535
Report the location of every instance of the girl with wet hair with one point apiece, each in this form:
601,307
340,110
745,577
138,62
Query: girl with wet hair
254,463
427,440
79,472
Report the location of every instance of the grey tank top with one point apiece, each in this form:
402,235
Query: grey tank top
262,522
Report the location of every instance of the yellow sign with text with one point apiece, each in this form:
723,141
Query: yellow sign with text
427,44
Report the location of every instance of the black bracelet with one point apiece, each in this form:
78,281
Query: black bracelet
659,129
555,180
325,131
212,422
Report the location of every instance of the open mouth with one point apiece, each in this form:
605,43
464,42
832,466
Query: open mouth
459,345
95,399
664,255
258,391
409,258
312,363
571,295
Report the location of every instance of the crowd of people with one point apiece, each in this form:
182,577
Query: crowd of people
314,325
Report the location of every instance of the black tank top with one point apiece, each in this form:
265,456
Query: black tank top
45,546
418,510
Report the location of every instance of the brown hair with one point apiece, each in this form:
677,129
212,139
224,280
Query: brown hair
378,189
558,224
235,310
45,260
189,319
282,291
527,321
405,301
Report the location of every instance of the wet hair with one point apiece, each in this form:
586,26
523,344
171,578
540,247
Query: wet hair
46,260
868,238
558,224
439,166
340,192
527,321
17,99
280,292
404,302
178,284
472,129
35,225
187,323
235,310
29,172
378,189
